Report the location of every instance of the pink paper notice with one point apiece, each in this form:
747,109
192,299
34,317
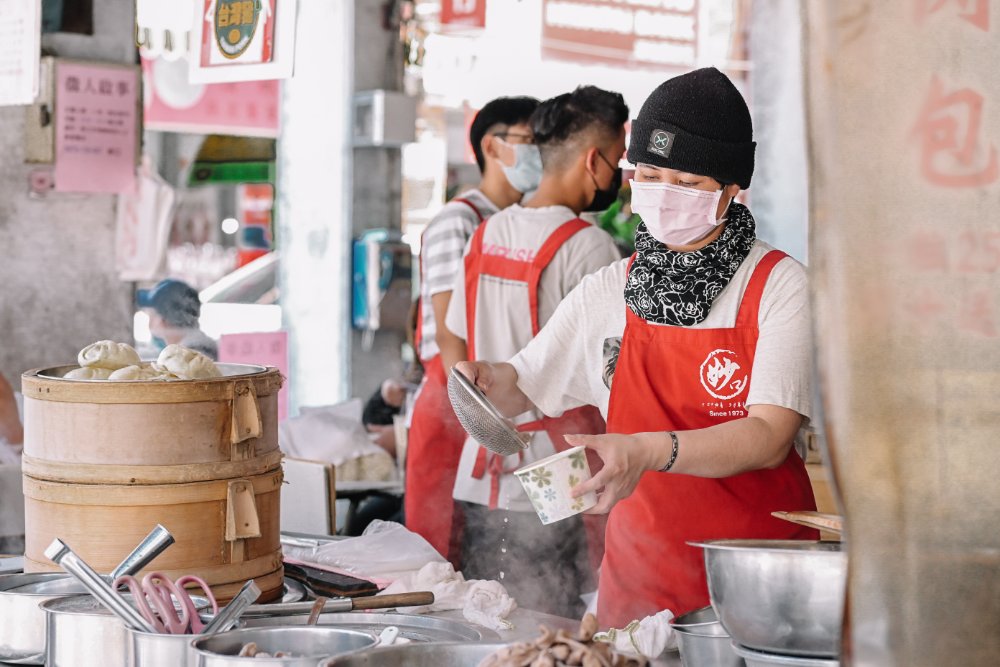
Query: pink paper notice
96,128
260,349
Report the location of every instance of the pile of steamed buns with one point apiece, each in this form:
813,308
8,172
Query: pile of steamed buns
108,360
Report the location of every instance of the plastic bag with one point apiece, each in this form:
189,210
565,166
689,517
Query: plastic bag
385,551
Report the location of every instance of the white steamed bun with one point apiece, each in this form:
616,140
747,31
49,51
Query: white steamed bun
88,374
108,354
187,364
140,373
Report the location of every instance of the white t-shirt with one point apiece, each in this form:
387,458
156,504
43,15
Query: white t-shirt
503,320
565,366
441,251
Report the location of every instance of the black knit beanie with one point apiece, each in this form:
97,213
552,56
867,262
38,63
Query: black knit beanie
699,123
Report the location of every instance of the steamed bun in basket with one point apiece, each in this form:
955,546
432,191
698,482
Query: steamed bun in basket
187,364
140,373
108,354
88,374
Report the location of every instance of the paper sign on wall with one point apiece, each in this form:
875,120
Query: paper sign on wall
20,32
96,127
260,349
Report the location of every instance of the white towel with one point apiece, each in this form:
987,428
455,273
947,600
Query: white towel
649,637
482,602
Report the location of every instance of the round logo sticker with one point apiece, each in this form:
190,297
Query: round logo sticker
660,140
235,24
723,376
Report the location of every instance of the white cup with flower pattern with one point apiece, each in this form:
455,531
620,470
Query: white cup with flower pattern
548,484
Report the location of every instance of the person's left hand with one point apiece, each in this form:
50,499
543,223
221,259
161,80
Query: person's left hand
626,458
393,393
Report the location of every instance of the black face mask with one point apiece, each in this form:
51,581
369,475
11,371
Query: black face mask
605,197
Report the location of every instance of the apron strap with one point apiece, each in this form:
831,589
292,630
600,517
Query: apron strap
750,304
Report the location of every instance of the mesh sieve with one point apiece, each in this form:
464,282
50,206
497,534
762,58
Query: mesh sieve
481,419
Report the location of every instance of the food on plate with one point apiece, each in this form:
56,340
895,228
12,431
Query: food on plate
251,651
108,354
143,372
187,364
559,649
88,374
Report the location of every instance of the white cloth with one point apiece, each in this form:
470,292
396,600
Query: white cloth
503,319
563,367
143,225
649,637
482,602
332,433
441,249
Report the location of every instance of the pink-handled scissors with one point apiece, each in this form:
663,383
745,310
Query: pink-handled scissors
166,604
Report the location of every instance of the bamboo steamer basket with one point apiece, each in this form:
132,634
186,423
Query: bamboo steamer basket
104,461
91,432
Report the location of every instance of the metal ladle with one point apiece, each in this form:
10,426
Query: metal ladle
231,613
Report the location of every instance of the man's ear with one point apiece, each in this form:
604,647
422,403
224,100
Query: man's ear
590,159
488,144
732,190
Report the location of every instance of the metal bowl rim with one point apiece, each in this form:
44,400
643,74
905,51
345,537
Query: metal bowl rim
45,373
279,628
785,658
774,546
45,577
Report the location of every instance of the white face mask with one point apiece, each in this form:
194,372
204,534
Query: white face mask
526,173
676,215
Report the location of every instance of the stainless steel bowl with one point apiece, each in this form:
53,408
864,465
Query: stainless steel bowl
703,642
415,627
148,649
309,645
418,655
761,659
22,623
779,596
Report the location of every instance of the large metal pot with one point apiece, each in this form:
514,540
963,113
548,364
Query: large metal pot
703,642
308,644
80,632
779,596
418,655
22,623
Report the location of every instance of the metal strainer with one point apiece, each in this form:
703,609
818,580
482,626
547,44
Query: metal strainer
480,418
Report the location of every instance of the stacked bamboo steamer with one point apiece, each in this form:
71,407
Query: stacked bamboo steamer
106,461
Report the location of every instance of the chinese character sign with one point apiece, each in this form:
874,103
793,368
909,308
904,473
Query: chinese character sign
976,12
96,128
954,152
238,31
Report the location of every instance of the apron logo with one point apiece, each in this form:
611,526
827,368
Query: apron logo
661,142
722,376
235,24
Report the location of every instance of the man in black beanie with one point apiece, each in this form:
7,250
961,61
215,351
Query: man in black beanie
696,349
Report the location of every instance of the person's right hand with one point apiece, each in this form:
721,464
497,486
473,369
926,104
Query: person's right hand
481,373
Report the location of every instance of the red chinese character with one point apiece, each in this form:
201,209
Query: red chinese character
977,314
976,12
949,127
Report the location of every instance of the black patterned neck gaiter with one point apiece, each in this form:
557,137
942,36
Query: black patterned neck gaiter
678,288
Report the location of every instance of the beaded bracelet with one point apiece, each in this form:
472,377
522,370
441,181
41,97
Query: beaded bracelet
673,454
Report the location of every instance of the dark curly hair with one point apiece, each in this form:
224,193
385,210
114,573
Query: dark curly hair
561,122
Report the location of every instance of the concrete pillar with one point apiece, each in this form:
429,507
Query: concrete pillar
60,289
329,192
779,198
904,120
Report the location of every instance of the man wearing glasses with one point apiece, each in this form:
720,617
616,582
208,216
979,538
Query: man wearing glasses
499,135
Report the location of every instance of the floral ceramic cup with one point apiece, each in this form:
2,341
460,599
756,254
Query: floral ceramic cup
548,484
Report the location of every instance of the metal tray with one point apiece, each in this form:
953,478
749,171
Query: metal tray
227,370
415,627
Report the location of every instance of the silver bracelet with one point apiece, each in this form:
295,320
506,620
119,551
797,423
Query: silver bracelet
673,454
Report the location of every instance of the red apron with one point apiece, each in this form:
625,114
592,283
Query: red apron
583,420
677,379
434,447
